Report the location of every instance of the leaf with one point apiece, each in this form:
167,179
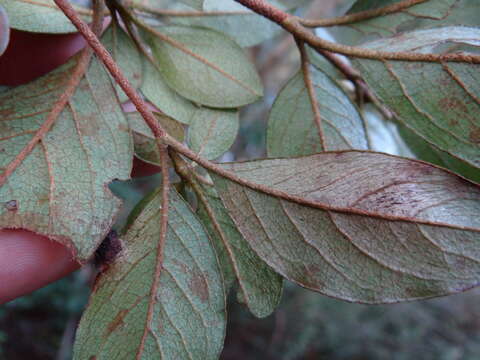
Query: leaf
427,152
212,132
438,102
146,147
359,226
206,67
4,30
196,4
123,50
259,285
259,28
41,16
421,16
189,309
60,190
292,130
167,100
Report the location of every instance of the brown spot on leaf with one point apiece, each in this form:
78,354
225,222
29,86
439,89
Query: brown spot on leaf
475,134
448,104
198,285
117,321
11,205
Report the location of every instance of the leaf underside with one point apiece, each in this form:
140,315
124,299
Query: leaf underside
426,15
292,130
438,102
206,67
41,16
61,189
258,285
189,308
360,226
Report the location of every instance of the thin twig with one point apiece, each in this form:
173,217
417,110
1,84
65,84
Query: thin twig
363,91
305,64
293,26
160,134
187,173
230,175
77,75
112,67
360,16
180,46
162,148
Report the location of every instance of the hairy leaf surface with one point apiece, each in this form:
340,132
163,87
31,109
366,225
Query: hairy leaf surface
260,287
292,129
163,97
189,307
123,50
360,226
40,16
212,132
61,189
439,102
206,67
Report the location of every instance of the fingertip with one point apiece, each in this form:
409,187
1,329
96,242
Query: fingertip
29,261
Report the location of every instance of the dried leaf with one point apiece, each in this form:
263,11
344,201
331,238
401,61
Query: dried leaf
189,310
359,226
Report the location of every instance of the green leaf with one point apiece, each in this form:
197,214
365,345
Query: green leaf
61,188
163,97
292,129
123,50
259,286
189,309
146,147
427,152
206,67
438,102
4,30
196,4
259,28
41,16
422,16
212,132
359,226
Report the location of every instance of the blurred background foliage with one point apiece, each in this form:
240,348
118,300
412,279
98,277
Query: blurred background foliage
306,325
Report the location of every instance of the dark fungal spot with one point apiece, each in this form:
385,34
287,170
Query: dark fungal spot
108,250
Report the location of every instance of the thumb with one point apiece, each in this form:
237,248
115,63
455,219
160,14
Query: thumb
29,261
